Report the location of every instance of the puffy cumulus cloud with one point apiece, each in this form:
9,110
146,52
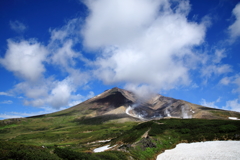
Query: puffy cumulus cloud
117,22
146,44
25,59
33,90
50,92
17,26
60,94
234,29
29,60
233,105
55,94
63,94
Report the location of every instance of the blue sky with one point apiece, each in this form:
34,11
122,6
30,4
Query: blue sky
55,54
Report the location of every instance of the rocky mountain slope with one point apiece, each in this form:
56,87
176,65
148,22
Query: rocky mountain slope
122,104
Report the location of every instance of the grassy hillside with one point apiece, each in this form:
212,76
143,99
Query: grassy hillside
71,137
148,139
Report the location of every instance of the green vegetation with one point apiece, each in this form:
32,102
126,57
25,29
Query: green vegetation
72,137
166,133
8,126
10,150
225,114
73,155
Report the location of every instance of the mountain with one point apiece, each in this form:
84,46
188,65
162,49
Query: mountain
125,105
118,120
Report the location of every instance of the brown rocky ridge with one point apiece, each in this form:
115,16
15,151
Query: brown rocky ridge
123,105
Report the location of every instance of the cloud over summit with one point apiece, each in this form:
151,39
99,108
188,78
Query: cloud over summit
143,43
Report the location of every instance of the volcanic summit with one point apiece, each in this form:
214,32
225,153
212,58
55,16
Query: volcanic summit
123,104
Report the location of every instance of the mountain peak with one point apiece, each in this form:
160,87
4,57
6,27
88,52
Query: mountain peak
124,103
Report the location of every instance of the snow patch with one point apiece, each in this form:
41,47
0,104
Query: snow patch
103,148
220,150
233,118
102,141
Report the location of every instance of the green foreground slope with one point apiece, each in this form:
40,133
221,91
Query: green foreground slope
70,137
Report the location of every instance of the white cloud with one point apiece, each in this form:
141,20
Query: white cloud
232,80
225,80
25,59
64,56
194,86
28,60
76,99
68,31
219,55
9,115
7,102
210,104
144,43
233,105
213,65
33,90
117,22
50,92
60,94
236,81
5,94
24,114
216,70
234,29
148,45
17,26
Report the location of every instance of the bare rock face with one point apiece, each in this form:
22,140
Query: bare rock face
122,103
160,107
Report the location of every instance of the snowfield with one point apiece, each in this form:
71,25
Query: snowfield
211,150
102,149
233,118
